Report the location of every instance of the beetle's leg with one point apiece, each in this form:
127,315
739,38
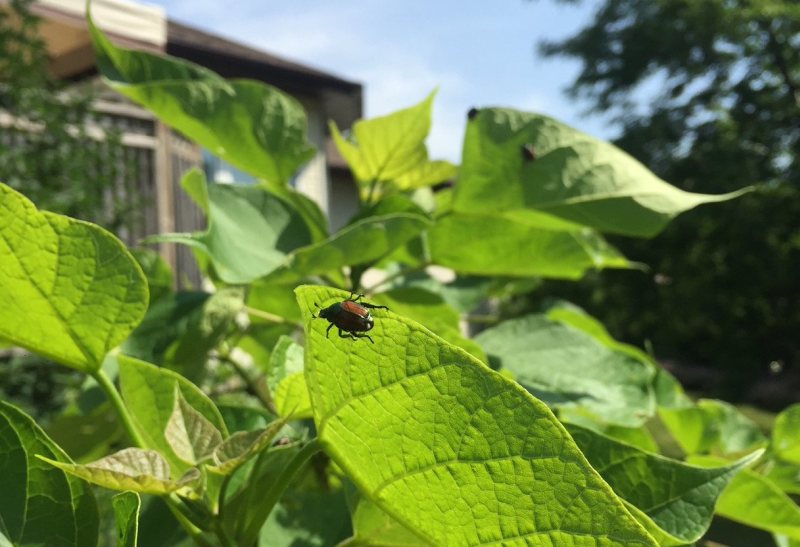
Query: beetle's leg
328,330
342,334
357,297
373,306
312,313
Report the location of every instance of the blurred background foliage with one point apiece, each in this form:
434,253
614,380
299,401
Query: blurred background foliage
706,93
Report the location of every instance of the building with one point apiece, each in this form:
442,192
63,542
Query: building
161,155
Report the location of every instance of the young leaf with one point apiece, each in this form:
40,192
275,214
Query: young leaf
241,446
786,435
514,245
678,498
453,450
69,290
126,510
149,395
565,173
756,501
143,471
250,232
40,505
390,147
252,125
567,368
192,437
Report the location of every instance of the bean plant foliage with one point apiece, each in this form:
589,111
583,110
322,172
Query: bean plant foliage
235,413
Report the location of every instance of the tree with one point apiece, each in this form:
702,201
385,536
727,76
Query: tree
722,81
45,146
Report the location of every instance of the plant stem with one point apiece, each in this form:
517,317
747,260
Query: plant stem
271,317
113,395
194,532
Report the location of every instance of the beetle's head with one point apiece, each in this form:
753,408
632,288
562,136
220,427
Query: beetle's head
324,313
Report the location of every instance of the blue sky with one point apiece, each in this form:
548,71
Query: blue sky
477,53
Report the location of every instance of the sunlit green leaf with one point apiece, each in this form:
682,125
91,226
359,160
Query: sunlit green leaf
427,174
522,161
40,505
455,451
506,244
252,125
68,289
373,527
786,435
291,397
565,367
389,147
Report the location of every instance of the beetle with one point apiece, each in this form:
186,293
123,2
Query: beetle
349,316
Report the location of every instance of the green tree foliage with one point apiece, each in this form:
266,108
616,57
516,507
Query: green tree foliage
722,82
47,151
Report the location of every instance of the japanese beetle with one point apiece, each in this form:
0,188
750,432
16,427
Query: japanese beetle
350,316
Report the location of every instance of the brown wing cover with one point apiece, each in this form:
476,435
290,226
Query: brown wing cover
354,308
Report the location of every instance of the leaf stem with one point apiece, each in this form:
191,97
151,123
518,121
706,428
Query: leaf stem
271,317
113,395
194,532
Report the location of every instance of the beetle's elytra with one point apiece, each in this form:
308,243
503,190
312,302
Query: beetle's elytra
350,316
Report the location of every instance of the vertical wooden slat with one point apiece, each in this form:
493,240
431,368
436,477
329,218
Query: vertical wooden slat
165,206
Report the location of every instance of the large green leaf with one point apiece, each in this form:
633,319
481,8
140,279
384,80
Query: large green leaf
711,425
677,498
451,449
39,504
786,435
149,395
68,289
565,367
126,510
756,501
392,149
573,176
518,245
252,125
250,232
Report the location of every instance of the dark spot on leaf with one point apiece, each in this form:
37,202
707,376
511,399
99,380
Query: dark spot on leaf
472,113
528,152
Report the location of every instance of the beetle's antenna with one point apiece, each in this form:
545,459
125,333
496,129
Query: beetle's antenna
312,314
